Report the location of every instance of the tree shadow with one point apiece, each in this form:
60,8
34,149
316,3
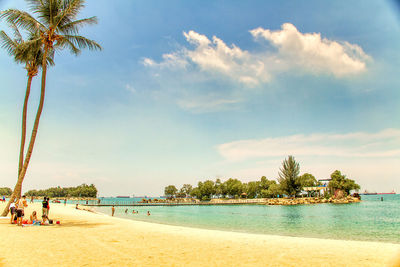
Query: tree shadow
83,224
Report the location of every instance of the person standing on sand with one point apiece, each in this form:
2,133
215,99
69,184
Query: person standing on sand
48,207
44,206
12,211
32,199
65,202
112,211
20,209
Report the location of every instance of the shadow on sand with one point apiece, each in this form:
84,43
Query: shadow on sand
84,224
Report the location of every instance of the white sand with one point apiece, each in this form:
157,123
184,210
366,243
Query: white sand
89,239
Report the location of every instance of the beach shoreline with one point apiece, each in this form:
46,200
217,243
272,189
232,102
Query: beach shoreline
96,239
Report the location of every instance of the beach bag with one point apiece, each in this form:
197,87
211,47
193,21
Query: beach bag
50,221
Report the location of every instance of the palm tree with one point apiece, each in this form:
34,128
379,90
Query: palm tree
32,57
289,176
58,29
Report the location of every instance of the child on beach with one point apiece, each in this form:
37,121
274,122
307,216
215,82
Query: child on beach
112,211
148,213
33,218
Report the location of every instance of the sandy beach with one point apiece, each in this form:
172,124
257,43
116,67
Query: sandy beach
89,239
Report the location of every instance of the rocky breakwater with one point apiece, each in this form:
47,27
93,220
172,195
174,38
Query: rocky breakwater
311,200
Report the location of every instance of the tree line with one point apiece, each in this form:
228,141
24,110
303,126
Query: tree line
289,183
5,191
83,190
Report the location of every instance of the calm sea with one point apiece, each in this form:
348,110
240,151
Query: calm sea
371,220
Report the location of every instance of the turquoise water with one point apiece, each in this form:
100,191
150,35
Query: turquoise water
371,220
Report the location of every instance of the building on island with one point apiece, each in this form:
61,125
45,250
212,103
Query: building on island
322,187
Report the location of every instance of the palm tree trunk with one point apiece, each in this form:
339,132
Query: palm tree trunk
21,175
23,135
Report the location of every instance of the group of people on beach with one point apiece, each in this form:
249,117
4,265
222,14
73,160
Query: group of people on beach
126,211
17,210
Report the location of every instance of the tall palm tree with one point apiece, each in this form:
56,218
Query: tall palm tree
32,57
59,28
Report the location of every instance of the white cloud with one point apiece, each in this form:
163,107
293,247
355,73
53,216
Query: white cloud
382,144
207,103
307,52
130,88
171,61
215,57
316,54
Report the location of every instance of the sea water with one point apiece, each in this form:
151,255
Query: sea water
369,220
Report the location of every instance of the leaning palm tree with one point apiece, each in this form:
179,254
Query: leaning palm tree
59,29
32,57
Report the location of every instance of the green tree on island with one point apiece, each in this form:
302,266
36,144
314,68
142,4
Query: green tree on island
186,190
340,181
170,191
5,191
289,177
83,190
307,180
234,187
252,189
59,28
274,190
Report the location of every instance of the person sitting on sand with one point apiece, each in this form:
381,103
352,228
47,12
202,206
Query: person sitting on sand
45,220
112,211
33,218
148,213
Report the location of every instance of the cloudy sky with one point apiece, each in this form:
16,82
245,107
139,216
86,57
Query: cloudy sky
192,90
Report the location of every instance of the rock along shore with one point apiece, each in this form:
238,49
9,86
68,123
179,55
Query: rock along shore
311,200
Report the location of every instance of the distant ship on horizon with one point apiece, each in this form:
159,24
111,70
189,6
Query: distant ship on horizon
391,193
375,193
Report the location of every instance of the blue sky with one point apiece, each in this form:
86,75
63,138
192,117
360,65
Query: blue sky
191,90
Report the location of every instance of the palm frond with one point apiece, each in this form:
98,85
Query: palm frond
69,12
7,43
21,19
81,42
17,34
66,43
73,27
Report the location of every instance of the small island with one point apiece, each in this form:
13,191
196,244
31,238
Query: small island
289,188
